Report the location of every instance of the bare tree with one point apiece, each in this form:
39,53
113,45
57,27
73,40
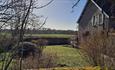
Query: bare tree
17,15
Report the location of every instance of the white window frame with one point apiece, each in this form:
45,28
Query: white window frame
102,19
93,20
97,20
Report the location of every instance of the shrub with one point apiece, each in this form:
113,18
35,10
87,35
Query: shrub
48,60
100,49
30,54
25,49
45,61
5,43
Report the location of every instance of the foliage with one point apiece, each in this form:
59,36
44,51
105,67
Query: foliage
48,60
99,47
44,31
50,31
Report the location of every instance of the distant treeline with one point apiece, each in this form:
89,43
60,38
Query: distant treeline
44,31
51,31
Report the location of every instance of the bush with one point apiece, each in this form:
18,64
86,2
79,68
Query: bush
48,60
25,49
30,54
44,61
5,43
100,49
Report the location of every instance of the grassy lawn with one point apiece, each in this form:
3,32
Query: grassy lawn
75,68
67,56
52,35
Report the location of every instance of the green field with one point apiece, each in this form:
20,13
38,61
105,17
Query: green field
45,35
67,56
52,35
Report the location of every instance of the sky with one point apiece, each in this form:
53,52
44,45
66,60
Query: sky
60,14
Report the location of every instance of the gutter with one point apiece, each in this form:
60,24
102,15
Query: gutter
100,9
96,6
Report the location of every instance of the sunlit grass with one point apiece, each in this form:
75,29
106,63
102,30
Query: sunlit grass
75,68
51,35
68,56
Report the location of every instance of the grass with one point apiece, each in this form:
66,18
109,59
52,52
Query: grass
67,56
45,35
75,68
52,35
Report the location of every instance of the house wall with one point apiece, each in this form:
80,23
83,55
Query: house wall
87,14
100,23
86,23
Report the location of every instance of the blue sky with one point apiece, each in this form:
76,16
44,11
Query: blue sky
60,15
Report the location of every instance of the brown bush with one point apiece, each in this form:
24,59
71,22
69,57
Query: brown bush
47,60
100,48
30,54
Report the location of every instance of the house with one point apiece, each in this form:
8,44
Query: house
98,15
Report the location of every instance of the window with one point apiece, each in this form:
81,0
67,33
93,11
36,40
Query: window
100,19
96,20
93,21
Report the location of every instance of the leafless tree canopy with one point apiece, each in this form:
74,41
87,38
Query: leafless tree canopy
17,16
